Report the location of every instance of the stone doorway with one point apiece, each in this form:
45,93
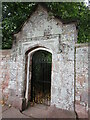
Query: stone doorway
41,77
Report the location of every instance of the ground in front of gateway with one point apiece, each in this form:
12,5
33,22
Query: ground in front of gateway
42,111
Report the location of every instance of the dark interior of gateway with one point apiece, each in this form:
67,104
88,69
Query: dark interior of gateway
41,77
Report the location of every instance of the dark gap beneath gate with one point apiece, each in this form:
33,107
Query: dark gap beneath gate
41,77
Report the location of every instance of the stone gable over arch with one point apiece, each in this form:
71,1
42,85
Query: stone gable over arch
42,23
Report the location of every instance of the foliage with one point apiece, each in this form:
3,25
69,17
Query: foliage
15,13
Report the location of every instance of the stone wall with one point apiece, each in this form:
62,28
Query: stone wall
82,74
6,66
4,73
44,32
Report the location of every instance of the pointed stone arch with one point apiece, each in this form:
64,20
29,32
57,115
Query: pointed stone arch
28,55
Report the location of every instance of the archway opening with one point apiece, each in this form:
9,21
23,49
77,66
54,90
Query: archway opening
41,77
